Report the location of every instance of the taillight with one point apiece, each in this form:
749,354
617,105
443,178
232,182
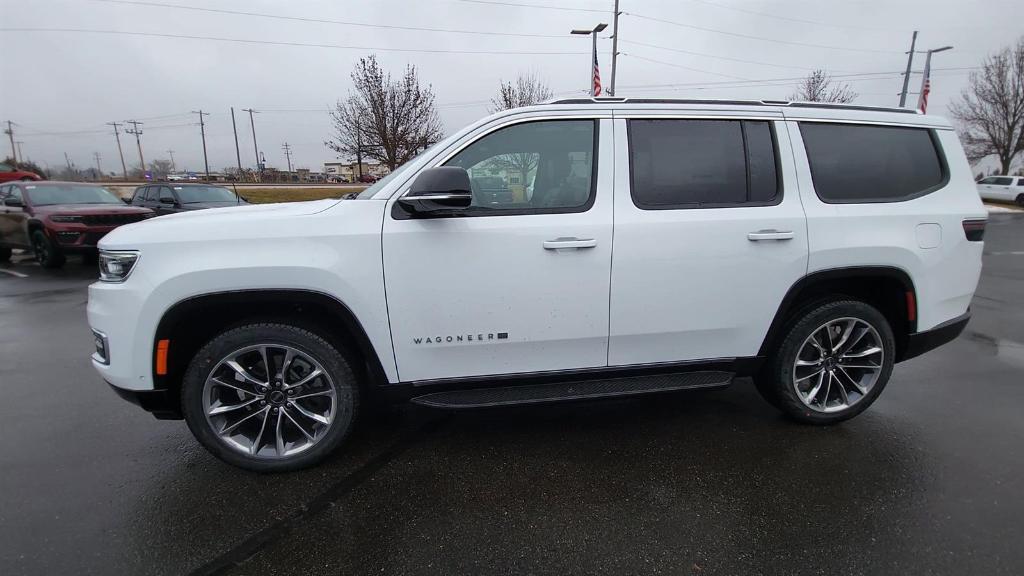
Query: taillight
974,229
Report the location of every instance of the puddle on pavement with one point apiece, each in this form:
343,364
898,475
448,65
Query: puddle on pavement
1006,350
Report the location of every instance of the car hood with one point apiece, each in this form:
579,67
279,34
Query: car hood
210,225
205,205
87,209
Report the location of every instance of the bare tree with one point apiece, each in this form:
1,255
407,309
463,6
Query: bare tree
384,119
818,86
528,90
990,110
160,168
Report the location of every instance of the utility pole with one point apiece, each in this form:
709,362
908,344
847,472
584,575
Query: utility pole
593,54
67,161
14,151
174,167
255,149
906,75
288,155
202,131
615,47
124,169
138,142
99,170
20,153
238,154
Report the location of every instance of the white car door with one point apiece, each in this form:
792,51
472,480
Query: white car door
519,282
707,239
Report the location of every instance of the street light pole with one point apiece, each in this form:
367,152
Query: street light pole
615,47
922,96
593,53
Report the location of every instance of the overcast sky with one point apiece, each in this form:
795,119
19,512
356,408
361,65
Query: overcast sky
60,87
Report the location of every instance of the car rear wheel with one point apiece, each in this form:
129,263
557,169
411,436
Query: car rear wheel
47,253
269,397
834,361
1020,200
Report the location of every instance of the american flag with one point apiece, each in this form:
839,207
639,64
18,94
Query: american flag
597,77
923,104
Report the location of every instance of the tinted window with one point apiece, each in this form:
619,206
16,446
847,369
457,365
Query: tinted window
139,195
545,166
860,163
1001,181
193,194
49,194
694,163
151,193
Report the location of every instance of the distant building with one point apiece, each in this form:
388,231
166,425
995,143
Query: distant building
349,171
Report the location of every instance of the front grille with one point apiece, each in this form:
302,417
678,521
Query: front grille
110,219
68,237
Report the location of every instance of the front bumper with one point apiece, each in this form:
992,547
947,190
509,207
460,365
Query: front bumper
161,403
920,342
74,237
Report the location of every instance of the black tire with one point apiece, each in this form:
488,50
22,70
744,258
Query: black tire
1020,200
309,343
5,254
90,257
47,253
27,179
777,381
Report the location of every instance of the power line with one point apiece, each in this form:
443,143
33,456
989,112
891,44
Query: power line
852,77
329,21
761,38
294,44
788,18
541,6
683,67
705,55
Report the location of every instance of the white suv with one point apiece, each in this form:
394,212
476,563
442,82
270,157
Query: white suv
577,249
1002,188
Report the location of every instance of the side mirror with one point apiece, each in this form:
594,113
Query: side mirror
14,203
126,200
438,191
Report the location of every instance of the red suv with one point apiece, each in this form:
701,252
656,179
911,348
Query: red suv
57,218
8,173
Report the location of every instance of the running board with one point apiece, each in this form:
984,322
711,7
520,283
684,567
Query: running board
578,390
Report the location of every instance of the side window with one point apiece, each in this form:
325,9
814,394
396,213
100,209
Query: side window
151,193
679,164
14,192
853,163
1002,181
165,193
541,167
4,190
988,180
139,195
1020,181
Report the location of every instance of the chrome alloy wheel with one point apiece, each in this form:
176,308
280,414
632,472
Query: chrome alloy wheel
269,401
838,365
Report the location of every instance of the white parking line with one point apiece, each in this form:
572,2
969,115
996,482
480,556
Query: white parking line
13,273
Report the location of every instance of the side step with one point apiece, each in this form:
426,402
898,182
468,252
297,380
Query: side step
560,391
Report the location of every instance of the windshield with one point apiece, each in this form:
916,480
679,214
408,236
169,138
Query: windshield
48,194
194,194
376,187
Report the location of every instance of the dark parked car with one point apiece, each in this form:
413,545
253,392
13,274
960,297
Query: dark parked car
171,197
57,218
9,173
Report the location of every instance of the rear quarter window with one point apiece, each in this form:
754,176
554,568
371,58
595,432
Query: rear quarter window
859,163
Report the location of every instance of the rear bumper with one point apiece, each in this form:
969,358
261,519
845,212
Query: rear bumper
921,342
161,403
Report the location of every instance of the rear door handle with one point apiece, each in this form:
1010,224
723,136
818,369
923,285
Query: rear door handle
770,235
562,243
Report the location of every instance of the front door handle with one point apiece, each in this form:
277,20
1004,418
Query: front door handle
562,243
770,235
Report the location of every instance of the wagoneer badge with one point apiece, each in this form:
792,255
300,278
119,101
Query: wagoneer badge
461,338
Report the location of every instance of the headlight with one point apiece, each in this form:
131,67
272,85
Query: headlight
116,266
66,218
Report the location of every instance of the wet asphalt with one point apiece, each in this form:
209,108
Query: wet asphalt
928,481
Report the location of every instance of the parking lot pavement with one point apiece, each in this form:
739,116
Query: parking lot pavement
929,480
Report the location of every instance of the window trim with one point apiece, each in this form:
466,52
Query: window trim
939,153
397,213
779,186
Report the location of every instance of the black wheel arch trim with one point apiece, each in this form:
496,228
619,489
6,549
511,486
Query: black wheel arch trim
790,302
350,323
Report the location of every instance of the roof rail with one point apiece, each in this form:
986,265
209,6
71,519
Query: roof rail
784,103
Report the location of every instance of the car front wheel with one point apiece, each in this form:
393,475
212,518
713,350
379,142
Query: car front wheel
47,253
269,397
834,361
